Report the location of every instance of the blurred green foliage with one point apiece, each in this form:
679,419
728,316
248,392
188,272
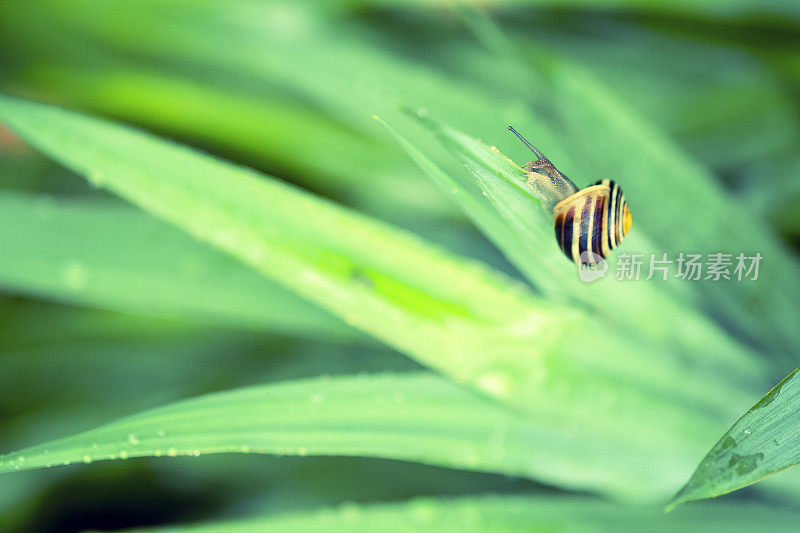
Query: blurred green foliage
108,311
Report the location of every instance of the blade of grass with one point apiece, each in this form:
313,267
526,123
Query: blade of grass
413,417
764,441
275,131
52,388
114,257
713,10
524,513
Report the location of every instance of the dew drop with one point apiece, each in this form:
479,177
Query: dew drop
161,433
21,459
350,511
196,453
123,454
172,452
496,382
470,456
87,459
422,112
302,452
257,255
316,398
423,512
96,178
74,275
227,238
134,440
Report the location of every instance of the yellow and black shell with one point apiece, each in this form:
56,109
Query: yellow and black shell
594,219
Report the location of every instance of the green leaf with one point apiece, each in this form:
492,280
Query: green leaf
50,379
114,257
413,417
274,131
524,513
764,441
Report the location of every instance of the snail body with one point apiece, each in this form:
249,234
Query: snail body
589,223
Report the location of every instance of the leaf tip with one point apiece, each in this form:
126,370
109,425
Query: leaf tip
688,493
675,502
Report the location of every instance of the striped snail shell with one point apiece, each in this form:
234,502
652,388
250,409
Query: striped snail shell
589,222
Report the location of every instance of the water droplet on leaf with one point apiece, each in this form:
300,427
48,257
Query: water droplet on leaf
74,276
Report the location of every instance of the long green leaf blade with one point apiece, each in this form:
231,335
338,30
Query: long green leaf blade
413,417
92,253
764,441
534,513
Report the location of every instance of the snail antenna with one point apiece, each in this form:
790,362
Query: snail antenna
539,155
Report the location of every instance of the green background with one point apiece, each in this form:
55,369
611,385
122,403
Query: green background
691,106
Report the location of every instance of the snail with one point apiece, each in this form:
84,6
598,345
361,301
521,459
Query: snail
589,222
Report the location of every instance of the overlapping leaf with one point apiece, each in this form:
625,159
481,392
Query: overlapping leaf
764,441
414,417
117,258
524,513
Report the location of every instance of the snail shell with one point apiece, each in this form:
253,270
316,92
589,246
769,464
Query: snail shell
594,219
